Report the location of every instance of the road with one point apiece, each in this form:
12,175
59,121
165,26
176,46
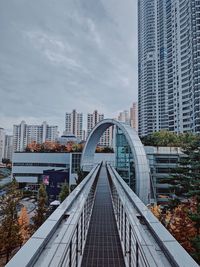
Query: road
5,180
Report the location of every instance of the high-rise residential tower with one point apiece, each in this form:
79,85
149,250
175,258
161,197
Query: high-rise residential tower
183,47
124,116
168,65
134,116
74,124
2,143
24,134
8,147
152,80
92,120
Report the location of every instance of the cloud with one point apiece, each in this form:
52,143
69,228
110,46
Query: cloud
60,55
95,34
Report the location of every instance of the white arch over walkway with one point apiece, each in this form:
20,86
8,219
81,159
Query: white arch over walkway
142,171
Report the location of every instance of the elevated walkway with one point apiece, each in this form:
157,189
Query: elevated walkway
102,223
103,247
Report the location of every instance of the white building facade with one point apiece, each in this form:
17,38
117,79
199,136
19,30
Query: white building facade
134,116
74,124
92,120
124,116
168,65
2,143
8,147
24,134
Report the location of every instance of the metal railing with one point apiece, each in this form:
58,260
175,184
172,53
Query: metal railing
145,241
61,239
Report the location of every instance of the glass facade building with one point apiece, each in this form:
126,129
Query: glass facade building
124,159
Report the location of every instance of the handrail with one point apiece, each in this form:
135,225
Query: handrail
64,231
145,241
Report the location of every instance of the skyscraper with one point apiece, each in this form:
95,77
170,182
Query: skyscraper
2,143
168,65
183,49
152,98
124,116
134,116
74,124
24,134
92,120
8,147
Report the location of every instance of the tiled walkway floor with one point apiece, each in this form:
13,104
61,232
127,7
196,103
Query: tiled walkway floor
103,248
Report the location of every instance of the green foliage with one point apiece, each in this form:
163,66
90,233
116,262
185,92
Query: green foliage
64,192
81,175
170,139
185,184
6,161
186,180
41,211
105,149
76,148
10,234
196,245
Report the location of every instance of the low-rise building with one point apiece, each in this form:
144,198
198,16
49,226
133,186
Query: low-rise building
162,162
54,181
28,167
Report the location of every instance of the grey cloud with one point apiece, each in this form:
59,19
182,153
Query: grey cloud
56,55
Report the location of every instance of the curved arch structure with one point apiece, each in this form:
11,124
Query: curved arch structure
142,172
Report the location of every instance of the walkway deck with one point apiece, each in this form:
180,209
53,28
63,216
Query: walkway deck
103,247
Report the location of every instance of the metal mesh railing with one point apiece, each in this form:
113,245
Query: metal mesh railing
61,239
74,251
145,241
131,246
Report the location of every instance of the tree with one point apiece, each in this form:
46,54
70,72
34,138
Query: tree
24,224
185,182
185,186
6,161
10,234
81,176
41,210
181,226
169,139
161,138
64,192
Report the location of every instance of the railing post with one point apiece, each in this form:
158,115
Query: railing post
119,216
84,222
81,245
70,254
122,225
137,254
118,203
129,245
77,250
125,233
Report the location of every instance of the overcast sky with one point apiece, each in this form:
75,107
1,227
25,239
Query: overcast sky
56,55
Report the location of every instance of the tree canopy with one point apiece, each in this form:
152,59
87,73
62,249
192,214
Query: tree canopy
169,139
10,231
182,216
64,192
41,210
